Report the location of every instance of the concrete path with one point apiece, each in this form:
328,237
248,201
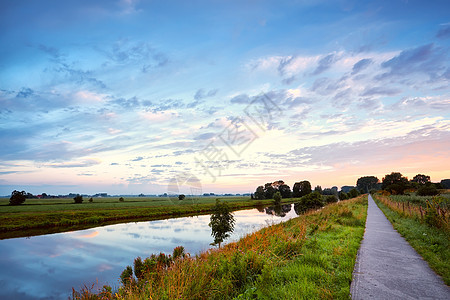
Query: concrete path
387,267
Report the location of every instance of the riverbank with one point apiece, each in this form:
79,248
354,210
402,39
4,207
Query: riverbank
37,217
310,257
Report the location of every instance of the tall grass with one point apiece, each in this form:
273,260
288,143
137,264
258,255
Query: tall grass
309,257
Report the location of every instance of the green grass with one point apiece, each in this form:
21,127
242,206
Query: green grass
431,243
37,216
309,257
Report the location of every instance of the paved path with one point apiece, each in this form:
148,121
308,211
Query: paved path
387,267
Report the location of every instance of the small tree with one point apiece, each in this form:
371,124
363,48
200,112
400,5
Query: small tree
17,197
91,200
221,222
181,197
121,199
78,199
277,198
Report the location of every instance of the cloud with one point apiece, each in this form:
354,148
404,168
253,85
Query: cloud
76,164
427,59
139,158
380,91
205,136
444,31
240,99
325,63
201,94
25,93
361,65
410,145
126,103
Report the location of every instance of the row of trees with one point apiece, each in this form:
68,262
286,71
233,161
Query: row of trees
396,183
300,189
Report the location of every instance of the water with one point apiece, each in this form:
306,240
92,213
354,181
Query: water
48,266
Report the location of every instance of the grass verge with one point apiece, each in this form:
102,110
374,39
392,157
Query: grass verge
431,243
309,257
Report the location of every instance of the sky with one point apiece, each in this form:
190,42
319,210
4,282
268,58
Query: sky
130,97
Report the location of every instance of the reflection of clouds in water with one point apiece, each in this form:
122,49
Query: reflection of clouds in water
134,235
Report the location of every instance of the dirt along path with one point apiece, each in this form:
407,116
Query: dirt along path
387,267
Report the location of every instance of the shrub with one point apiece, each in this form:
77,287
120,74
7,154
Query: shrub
330,199
91,200
181,197
121,199
17,198
127,275
178,252
78,199
343,195
308,202
427,190
277,198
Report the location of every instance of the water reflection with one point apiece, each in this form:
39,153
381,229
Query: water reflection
48,266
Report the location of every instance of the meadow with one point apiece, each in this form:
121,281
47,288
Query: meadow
41,216
424,225
308,257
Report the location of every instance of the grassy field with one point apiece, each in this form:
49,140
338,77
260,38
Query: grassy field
309,257
431,242
40,216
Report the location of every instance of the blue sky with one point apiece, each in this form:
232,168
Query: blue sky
142,96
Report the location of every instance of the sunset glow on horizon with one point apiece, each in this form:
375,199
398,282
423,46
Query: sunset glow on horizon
127,96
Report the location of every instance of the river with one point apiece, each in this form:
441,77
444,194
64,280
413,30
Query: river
48,266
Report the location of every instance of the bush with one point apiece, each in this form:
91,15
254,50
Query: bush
91,200
17,198
427,190
121,199
181,197
127,275
277,198
330,199
308,202
343,195
78,199
353,193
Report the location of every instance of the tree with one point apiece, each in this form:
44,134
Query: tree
17,198
269,190
277,198
181,197
421,179
395,183
318,188
445,183
366,183
78,199
301,189
259,193
221,222
285,191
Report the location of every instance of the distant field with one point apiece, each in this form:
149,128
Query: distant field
40,216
